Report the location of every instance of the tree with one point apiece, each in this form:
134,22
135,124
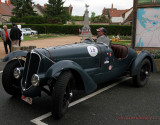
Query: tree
92,16
77,18
55,12
99,19
23,8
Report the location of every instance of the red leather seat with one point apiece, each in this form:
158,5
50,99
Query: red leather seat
120,51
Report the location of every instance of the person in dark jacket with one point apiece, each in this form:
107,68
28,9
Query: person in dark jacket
15,35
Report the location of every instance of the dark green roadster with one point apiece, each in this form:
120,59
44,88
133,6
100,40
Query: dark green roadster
80,66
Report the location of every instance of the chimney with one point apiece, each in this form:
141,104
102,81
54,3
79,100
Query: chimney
9,2
6,2
45,6
112,6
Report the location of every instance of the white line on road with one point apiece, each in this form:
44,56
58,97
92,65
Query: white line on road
38,121
1,71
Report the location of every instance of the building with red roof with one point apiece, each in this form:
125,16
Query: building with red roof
5,11
114,15
127,17
40,10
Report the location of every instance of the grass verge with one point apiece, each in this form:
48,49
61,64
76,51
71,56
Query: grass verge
42,36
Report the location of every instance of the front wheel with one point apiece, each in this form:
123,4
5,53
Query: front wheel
62,94
10,84
142,76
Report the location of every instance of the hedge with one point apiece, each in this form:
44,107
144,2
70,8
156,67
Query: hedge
73,29
29,19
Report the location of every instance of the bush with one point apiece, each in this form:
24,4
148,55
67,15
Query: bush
113,29
51,28
29,20
156,54
77,18
73,29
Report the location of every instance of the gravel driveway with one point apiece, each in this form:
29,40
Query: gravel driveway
42,43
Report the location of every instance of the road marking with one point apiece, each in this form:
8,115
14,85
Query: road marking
38,120
1,71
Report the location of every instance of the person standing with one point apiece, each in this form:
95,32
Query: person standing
15,35
101,32
21,38
5,35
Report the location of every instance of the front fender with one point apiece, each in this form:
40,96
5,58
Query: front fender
136,64
15,54
58,67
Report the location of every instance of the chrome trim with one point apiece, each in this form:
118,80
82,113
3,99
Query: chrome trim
19,73
39,59
32,52
146,73
27,71
35,75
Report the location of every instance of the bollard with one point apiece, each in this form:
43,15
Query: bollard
27,48
15,48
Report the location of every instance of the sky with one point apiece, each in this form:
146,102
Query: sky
94,5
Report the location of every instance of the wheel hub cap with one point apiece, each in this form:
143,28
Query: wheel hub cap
147,73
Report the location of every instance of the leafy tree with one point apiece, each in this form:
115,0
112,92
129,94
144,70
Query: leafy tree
55,12
23,8
77,18
92,16
100,19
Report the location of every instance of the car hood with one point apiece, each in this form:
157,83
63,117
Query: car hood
67,51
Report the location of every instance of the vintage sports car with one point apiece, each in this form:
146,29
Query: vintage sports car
80,66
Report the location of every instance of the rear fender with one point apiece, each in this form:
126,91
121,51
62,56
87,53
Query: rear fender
136,63
60,66
14,54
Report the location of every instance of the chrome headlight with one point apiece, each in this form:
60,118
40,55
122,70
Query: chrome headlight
17,73
35,80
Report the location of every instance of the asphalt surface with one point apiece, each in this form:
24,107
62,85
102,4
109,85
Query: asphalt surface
123,104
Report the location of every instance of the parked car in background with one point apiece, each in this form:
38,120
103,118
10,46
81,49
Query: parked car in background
29,31
24,32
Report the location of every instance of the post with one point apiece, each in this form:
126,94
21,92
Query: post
134,19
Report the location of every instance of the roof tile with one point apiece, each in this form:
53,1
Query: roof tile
6,9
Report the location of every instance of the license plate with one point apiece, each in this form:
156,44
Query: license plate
27,99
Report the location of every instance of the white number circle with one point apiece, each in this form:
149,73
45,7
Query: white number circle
92,50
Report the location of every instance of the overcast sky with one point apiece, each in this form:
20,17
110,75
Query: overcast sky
94,5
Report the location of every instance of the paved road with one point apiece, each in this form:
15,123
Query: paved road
121,105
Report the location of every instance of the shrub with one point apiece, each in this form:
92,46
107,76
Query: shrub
156,54
73,29
29,20
113,29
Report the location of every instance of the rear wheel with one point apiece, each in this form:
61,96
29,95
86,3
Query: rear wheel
142,76
10,84
62,94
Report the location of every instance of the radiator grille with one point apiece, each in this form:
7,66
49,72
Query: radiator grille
31,67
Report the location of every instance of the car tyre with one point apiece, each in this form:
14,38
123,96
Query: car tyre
32,33
62,94
10,84
141,79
